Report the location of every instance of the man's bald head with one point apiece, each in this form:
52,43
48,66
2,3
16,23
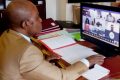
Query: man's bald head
24,17
19,10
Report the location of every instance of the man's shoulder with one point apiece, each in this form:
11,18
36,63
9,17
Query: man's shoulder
12,41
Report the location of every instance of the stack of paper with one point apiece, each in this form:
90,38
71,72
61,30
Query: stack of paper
66,47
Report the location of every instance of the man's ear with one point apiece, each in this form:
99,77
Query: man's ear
26,24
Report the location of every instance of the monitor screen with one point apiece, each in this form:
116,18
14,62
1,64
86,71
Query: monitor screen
101,25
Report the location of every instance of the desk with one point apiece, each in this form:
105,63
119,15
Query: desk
111,63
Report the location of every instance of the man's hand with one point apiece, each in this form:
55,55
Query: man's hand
95,59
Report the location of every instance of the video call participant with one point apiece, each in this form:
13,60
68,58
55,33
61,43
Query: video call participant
110,18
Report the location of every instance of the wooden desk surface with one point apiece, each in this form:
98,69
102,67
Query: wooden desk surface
111,63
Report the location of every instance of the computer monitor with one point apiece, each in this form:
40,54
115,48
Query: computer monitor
101,25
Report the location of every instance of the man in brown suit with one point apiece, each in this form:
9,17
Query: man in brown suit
21,60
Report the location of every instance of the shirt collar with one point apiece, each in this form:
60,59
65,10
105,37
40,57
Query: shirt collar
26,37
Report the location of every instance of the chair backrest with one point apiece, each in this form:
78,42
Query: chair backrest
3,22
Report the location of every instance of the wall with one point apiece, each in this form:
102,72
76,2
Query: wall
61,10
51,9
56,9
69,11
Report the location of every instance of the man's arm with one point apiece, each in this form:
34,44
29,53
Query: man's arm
34,67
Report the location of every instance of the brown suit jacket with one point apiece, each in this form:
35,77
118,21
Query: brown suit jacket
21,60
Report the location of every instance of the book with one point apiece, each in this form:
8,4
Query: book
49,25
48,31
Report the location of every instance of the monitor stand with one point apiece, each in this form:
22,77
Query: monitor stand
107,52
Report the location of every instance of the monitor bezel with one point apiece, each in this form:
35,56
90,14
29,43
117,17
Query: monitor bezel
97,42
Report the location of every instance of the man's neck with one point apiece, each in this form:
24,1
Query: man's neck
22,31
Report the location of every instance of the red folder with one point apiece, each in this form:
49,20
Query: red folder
49,24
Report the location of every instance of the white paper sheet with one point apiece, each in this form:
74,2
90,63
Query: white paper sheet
74,53
96,73
59,41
